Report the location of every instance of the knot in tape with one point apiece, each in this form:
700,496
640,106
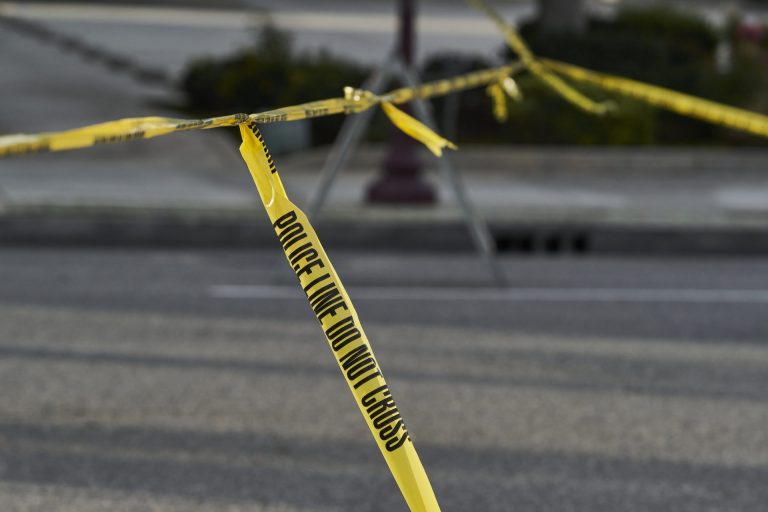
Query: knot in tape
358,99
352,94
509,85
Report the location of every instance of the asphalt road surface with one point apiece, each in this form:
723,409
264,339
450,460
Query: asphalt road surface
168,36
135,380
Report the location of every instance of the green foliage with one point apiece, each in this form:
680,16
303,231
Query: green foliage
658,45
270,75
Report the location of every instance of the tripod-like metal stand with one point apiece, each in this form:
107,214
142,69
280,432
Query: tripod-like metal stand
349,138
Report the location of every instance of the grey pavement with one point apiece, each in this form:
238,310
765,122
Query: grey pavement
130,382
168,36
54,90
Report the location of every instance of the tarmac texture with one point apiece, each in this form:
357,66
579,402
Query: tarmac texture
130,382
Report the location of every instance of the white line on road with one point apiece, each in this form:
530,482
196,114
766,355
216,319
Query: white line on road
640,295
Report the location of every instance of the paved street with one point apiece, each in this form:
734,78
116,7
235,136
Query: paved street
169,36
135,380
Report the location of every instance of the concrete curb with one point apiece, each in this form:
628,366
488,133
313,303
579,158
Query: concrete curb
543,238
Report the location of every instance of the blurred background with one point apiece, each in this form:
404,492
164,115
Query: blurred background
156,353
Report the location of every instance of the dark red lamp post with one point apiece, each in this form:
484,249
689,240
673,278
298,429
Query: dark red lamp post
401,181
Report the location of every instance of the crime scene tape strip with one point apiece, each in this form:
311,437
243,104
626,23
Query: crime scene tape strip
110,132
499,92
680,103
338,319
417,130
518,45
354,101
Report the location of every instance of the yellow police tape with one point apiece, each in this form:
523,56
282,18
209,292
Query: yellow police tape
110,132
338,319
517,44
354,101
674,101
498,92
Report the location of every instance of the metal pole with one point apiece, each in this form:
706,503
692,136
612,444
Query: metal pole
478,228
401,180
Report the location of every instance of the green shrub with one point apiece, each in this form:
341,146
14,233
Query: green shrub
270,75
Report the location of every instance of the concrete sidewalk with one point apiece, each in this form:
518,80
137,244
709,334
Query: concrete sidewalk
194,189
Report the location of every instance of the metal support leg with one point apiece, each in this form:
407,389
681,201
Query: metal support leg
477,226
349,137
352,130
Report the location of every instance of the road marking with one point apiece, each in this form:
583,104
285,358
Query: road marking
626,295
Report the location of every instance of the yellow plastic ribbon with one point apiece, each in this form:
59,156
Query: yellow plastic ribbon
354,101
110,132
499,98
680,103
338,319
499,92
518,45
416,129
